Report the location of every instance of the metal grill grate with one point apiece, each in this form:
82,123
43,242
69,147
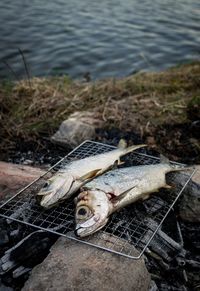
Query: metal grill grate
135,224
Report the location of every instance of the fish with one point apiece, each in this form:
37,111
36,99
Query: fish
75,174
116,189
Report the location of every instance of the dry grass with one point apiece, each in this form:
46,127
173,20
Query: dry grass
138,102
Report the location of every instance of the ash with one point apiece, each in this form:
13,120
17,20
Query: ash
172,258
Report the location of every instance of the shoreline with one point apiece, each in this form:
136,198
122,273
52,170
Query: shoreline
144,103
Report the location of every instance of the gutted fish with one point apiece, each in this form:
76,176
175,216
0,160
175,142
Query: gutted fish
115,190
68,180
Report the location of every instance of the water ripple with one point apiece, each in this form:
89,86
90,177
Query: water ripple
106,38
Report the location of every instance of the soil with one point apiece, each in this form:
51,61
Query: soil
178,142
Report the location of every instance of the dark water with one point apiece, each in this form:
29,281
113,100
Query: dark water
105,38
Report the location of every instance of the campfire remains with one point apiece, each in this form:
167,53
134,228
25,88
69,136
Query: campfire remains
164,248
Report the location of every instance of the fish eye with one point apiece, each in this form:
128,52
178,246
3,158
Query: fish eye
83,212
46,185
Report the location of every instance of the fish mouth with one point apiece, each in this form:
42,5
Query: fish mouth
81,234
76,232
38,199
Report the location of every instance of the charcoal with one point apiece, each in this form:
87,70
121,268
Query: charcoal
22,212
14,233
154,204
3,238
28,252
171,266
162,244
191,236
166,287
5,288
20,271
160,262
194,279
192,264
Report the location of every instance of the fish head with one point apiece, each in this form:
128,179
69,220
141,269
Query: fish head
92,211
55,189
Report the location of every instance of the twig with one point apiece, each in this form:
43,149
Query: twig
26,67
105,107
10,69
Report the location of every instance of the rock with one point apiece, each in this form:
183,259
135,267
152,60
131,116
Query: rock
14,177
79,127
196,177
189,202
153,286
75,266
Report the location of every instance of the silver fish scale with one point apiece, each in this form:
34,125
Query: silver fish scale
134,225
127,178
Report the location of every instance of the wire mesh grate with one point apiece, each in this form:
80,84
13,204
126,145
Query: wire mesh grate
134,225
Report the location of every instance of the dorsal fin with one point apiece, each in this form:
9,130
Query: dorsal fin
122,144
163,159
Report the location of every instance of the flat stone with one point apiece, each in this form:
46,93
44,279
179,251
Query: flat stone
73,266
14,177
79,127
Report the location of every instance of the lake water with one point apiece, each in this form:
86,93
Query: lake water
106,38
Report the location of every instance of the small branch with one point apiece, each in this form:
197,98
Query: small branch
26,67
10,69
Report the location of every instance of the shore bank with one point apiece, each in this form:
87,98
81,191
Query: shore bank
162,108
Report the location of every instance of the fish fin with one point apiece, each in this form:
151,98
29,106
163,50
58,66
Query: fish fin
168,186
89,175
40,193
75,200
121,196
111,167
132,148
163,159
122,144
114,166
146,197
